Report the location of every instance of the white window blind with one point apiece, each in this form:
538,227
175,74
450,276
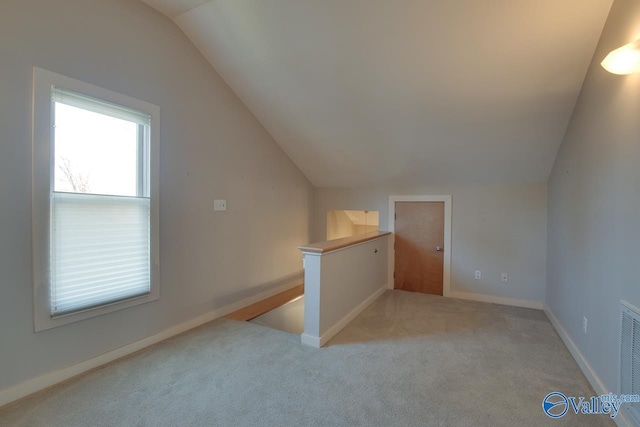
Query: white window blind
100,250
100,243
95,201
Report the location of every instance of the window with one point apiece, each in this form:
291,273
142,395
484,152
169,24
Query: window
95,204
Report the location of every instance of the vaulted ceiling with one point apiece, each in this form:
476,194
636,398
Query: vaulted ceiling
403,92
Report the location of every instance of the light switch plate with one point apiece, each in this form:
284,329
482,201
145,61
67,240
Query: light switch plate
219,205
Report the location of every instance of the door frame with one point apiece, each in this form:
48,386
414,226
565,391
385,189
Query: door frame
446,274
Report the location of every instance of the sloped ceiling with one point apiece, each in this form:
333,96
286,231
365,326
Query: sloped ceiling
403,92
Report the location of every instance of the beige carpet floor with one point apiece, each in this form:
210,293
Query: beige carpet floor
408,360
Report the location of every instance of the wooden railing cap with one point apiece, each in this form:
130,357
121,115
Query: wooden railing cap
334,245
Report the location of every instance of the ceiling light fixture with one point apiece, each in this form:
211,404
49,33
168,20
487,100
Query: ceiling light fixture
623,60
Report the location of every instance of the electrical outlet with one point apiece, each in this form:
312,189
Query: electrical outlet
219,205
505,277
584,324
478,274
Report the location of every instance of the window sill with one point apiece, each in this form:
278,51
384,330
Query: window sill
42,324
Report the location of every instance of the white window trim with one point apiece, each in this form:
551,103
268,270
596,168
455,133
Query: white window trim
43,139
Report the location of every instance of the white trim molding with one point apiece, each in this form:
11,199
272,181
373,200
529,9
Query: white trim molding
497,300
446,276
339,284
31,386
42,188
318,342
623,419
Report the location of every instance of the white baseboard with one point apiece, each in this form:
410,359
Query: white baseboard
623,419
26,388
310,340
497,300
318,342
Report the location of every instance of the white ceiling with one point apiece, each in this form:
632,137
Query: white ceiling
174,8
403,92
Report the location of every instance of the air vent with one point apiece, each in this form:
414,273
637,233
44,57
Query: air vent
630,357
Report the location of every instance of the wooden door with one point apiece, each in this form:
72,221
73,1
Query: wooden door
419,247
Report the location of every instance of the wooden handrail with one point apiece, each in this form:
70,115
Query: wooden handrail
334,245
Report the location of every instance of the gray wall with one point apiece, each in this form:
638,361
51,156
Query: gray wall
495,229
594,205
211,147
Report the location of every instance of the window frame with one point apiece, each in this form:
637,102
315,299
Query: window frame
43,184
